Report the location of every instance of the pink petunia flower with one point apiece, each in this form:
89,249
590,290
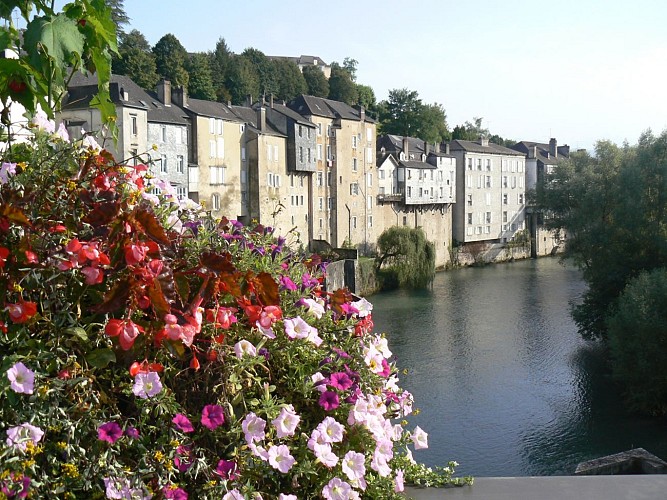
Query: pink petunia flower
212,417
228,469
337,489
18,436
329,400
353,465
21,378
340,381
147,385
280,458
182,423
253,427
419,438
286,422
109,432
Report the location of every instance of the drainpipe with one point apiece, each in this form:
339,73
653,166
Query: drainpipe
349,224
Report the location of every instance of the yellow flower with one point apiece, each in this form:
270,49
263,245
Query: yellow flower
70,470
175,443
27,463
61,445
17,287
159,456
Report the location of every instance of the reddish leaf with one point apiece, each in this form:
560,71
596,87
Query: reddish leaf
264,287
158,300
102,214
151,225
15,215
340,297
230,283
218,263
116,298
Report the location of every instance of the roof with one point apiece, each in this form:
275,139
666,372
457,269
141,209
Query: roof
212,109
394,144
83,88
292,114
543,151
314,60
309,105
415,164
477,147
249,116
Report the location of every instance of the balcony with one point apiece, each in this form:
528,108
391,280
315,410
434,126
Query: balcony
389,198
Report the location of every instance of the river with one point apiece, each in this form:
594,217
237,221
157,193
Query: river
505,384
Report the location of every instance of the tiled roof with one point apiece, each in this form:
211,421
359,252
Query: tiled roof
211,109
83,88
476,147
416,164
543,151
249,116
318,106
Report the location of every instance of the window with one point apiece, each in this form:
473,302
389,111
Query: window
217,175
520,198
218,126
181,192
488,181
521,181
273,180
409,192
488,164
163,164
354,142
370,221
505,181
488,217
211,125
512,166
479,181
354,164
381,174
329,131
211,148
135,130
321,223
242,153
504,198
329,155
469,181
354,222
354,188
405,220
381,190
369,134
320,179
369,179
505,216
301,154
329,178
308,130
319,151
319,130
421,192
301,181
275,153
310,156
180,164
300,197
300,130
163,133
479,164
488,199
221,147
469,217
504,167
470,231
321,203
330,203
291,180
215,201
514,182
369,202
269,152
469,163
369,155
244,176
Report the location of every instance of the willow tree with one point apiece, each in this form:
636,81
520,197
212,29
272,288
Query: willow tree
406,258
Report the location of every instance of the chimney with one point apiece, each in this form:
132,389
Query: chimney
427,148
362,114
164,92
566,150
124,96
406,153
261,118
446,148
532,153
229,104
179,96
553,148
484,141
271,101
248,100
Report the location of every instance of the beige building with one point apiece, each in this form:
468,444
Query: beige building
218,169
345,180
491,192
417,188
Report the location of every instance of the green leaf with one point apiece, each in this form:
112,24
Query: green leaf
79,333
100,358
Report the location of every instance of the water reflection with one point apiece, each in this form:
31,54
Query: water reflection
505,383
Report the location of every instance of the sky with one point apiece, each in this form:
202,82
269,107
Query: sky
577,70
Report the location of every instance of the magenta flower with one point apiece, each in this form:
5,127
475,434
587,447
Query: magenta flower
21,378
340,381
173,492
329,400
212,417
227,469
182,423
17,486
132,432
184,458
109,432
287,284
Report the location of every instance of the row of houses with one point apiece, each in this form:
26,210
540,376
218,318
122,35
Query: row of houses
315,169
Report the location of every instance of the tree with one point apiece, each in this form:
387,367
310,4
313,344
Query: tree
291,82
170,59
638,341
341,86
118,14
220,61
366,97
242,79
350,65
401,113
316,83
433,124
406,258
470,131
136,60
200,84
266,72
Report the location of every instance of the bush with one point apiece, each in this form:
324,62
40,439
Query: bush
152,352
406,258
638,341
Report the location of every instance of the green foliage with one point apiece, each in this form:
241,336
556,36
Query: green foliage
366,97
53,47
405,114
406,257
118,14
219,62
170,60
291,82
136,60
638,341
200,79
265,70
341,86
470,131
242,80
350,65
316,83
